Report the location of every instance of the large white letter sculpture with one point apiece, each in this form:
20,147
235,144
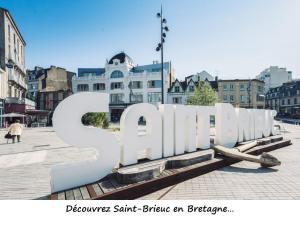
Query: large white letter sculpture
167,114
171,130
244,125
226,125
185,129
203,125
67,123
132,141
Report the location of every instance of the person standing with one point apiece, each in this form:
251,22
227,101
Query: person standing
15,130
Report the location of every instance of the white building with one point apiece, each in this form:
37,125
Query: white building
125,82
274,77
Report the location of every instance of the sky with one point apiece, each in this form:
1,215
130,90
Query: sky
228,38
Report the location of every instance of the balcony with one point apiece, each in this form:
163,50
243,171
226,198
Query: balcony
17,79
14,100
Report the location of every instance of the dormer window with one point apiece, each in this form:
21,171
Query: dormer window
116,63
177,89
191,89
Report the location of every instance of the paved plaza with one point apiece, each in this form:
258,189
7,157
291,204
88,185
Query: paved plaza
25,171
246,180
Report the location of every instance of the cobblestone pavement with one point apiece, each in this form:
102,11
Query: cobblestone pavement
25,171
246,180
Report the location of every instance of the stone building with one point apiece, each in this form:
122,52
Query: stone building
54,85
12,63
285,99
242,93
32,78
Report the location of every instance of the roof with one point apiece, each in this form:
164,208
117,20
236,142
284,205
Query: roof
184,84
239,80
98,71
120,56
12,115
14,23
155,67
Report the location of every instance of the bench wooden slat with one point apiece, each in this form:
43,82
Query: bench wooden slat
70,195
53,196
97,189
77,194
61,195
85,193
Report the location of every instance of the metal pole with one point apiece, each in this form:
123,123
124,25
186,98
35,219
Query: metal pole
249,94
162,56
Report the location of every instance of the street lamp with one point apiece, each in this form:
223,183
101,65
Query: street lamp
160,47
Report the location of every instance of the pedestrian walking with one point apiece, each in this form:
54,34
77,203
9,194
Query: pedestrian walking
15,130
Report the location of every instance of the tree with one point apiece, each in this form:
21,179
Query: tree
203,95
95,119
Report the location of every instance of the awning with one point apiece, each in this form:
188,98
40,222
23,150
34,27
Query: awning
12,115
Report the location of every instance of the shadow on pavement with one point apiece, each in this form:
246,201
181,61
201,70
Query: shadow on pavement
248,170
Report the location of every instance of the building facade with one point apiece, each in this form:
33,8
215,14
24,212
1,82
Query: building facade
3,93
285,99
12,61
125,82
54,85
242,93
32,78
180,90
274,77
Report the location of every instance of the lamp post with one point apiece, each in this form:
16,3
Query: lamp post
249,94
160,47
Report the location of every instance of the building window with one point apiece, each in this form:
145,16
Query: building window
82,87
282,102
116,98
288,101
116,85
136,97
117,74
136,84
225,87
60,96
8,33
86,74
154,97
231,98
225,99
295,101
242,87
155,70
260,88
243,98
154,84
177,89
191,88
43,83
231,86
98,86
177,100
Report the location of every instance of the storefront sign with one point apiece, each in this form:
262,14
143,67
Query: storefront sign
170,130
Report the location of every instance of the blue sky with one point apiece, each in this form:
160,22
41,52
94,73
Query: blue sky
230,38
